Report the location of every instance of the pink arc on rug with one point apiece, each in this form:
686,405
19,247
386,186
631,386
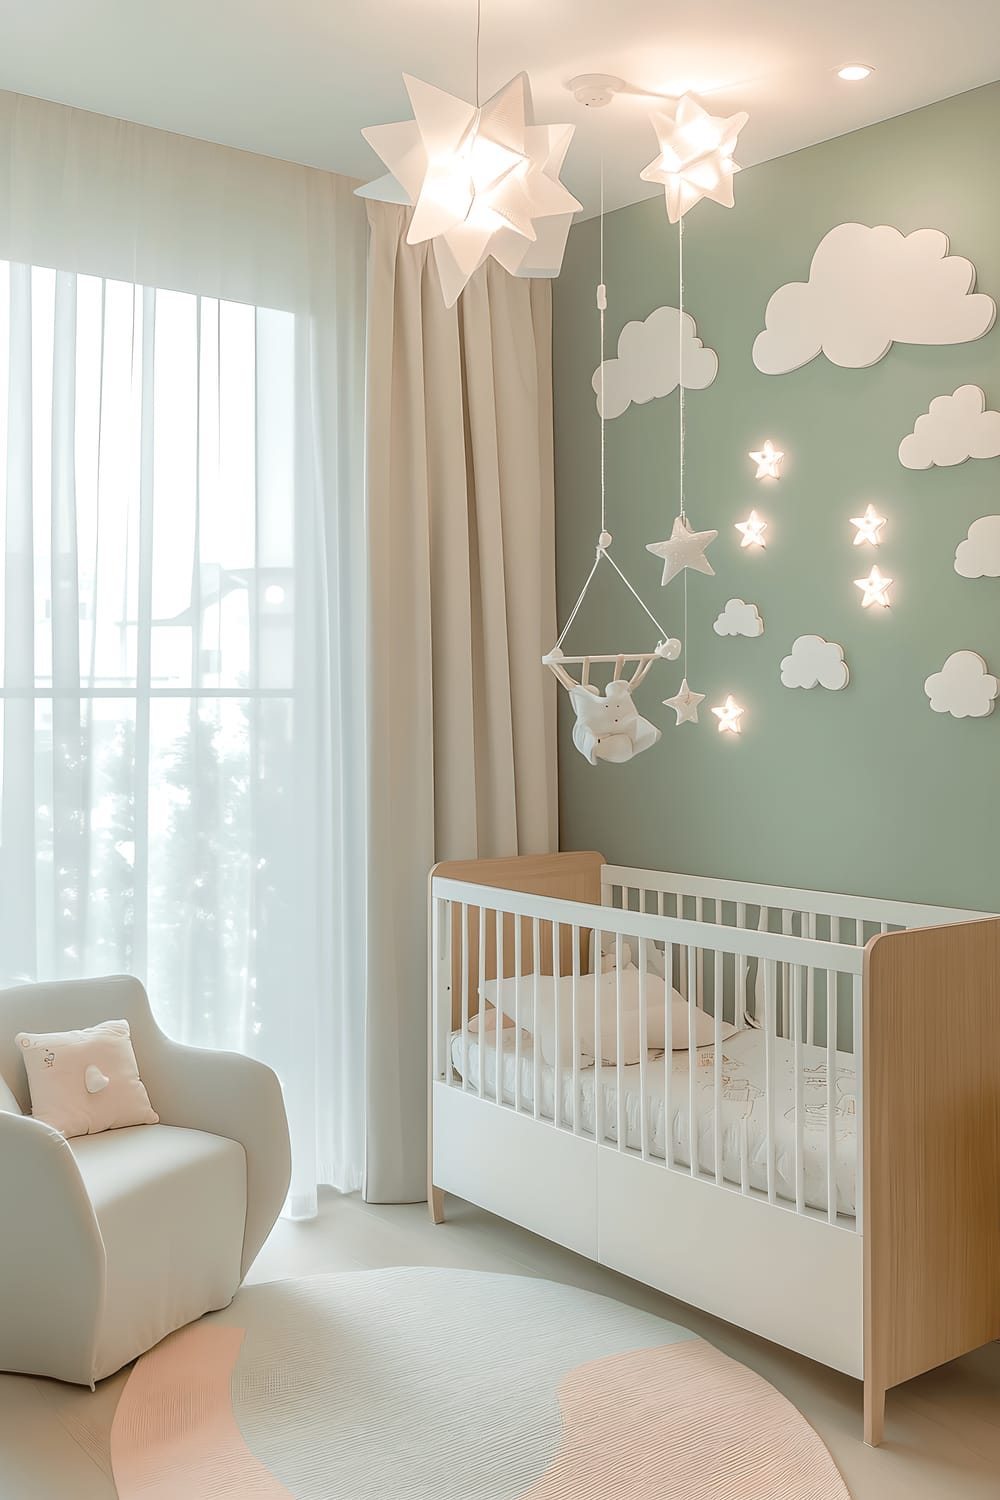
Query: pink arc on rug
174,1432
683,1422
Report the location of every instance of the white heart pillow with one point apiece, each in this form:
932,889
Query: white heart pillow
83,1082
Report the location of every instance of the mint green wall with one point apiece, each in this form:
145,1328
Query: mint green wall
865,790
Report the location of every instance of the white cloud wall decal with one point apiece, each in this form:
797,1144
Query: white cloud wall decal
652,356
815,662
739,618
979,555
954,428
963,687
869,288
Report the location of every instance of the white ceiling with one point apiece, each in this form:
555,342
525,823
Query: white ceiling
299,78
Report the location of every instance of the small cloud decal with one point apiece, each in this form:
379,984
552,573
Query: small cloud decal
652,356
815,662
954,428
739,618
963,688
869,288
979,555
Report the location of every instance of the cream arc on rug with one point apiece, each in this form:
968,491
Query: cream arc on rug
432,1384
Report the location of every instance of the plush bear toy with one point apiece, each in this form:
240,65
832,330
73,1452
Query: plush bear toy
609,727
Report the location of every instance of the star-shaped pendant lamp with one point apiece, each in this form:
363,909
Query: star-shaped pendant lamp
685,704
768,461
696,155
869,527
482,181
682,549
752,529
875,589
729,716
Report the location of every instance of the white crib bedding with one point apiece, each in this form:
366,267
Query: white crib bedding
744,1108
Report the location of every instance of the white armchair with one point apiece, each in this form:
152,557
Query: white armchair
109,1242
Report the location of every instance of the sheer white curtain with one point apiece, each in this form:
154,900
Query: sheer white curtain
182,631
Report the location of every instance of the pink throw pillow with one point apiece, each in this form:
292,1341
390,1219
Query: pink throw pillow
83,1082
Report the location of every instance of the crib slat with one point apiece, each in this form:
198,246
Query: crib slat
693,1153
557,1076
643,1050
465,1000
671,964
742,970
788,928
800,1200
831,1096
499,1051
598,1061
717,1019
575,999
770,1021
811,989
481,936
536,1051
857,1022
619,1044
517,1012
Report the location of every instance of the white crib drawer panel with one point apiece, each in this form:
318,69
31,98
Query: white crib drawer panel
786,1276
519,1168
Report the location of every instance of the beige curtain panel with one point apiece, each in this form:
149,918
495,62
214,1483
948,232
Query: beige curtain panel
462,719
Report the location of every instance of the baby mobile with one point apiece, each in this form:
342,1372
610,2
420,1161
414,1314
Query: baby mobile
608,725
695,162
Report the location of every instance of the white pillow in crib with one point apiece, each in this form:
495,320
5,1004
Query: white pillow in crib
552,993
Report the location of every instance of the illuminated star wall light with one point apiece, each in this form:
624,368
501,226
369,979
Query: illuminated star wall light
869,527
875,589
729,715
768,461
752,530
696,156
482,181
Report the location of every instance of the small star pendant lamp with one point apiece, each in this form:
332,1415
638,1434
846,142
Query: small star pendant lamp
696,155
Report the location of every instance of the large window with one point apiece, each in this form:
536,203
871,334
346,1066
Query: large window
147,645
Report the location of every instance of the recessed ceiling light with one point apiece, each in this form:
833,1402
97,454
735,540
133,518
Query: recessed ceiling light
854,72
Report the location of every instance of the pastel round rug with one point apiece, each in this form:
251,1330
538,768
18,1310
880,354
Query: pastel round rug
427,1384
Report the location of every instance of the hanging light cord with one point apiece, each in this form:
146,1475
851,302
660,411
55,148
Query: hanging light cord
680,408
479,27
602,303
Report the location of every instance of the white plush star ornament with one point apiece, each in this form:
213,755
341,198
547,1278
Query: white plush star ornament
682,549
768,461
696,155
875,589
753,529
869,527
482,181
685,704
729,715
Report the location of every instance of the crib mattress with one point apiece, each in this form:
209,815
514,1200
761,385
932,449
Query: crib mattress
744,1108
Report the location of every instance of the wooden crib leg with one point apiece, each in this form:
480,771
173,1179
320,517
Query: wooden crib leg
435,1203
874,1413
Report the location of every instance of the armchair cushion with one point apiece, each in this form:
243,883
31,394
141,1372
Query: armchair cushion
85,1081
171,1207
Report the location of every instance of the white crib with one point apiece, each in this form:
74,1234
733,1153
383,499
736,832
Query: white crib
826,1173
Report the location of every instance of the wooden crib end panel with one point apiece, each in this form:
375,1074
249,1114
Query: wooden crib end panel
931,1149
572,876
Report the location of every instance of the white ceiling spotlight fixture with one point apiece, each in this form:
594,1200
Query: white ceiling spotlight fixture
696,155
483,180
855,72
